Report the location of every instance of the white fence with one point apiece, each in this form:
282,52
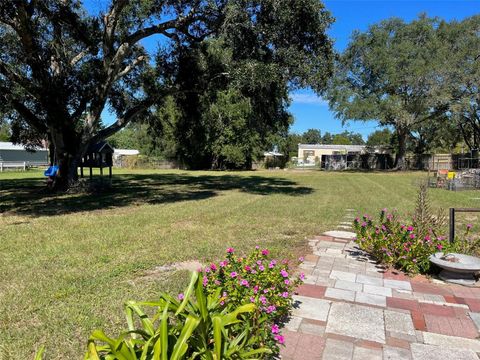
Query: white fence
24,165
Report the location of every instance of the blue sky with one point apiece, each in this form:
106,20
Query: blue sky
309,110
312,112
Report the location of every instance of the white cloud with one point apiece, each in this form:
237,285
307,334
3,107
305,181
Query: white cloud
301,98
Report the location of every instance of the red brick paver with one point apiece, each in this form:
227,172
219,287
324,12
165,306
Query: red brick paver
407,313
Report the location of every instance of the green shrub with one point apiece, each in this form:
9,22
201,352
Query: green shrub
394,242
255,278
195,327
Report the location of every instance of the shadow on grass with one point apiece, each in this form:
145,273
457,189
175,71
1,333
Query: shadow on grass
26,196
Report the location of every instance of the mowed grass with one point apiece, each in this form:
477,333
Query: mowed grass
69,262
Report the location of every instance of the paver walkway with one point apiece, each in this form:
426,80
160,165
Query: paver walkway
350,308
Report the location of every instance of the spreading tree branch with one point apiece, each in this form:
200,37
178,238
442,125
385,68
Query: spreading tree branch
122,121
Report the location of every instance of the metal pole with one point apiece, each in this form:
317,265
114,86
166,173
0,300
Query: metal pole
452,225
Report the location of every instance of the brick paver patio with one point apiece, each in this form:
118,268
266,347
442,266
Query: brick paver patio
350,308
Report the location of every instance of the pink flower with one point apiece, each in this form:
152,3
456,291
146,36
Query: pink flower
271,309
233,274
247,268
252,299
213,267
207,269
301,259
275,329
263,299
410,228
287,282
414,260
230,250
364,224
469,226
280,339
411,236
439,246
284,273
257,247
265,252
253,271
180,296
244,283
285,294
302,276
255,289
217,282
205,281
223,263
261,268
259,262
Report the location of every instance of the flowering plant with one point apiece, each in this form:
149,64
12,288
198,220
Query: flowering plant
396,243
256,279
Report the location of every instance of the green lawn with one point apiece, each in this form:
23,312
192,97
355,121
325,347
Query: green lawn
68,262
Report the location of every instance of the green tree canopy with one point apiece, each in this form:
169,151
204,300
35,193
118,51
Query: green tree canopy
380,137
312,136
390,73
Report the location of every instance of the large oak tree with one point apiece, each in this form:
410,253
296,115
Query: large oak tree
61,66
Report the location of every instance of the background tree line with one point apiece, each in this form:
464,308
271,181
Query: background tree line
420,79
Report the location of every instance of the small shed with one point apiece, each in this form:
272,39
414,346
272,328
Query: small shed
99,155
120,155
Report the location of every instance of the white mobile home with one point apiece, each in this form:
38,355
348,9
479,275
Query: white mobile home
12,156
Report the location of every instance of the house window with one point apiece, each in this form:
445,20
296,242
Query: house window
307,153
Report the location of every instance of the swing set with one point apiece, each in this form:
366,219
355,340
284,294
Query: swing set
99,155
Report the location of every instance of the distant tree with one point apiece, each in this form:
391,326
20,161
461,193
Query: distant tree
5,133
312,136
390,73
125,138
290,145
341,139
461,74
347,138
380,137
327,138
355,138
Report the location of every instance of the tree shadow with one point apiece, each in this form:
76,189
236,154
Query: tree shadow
28,197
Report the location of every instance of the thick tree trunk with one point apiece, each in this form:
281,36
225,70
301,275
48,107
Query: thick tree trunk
400,161
68,154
